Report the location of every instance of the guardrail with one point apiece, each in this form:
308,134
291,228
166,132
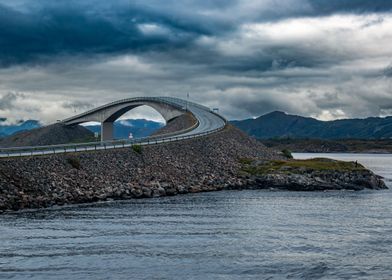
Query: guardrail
96,146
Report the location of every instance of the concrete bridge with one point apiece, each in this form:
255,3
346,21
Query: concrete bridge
109,113
170,108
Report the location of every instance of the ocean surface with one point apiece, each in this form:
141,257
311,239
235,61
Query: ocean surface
216,235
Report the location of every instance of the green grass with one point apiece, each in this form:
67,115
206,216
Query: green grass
299,166
245,160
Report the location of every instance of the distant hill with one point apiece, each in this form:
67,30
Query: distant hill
138,128
281,125
9,129
48,135
330,146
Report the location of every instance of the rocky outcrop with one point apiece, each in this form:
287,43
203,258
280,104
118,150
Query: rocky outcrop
316,181
309,175
208,163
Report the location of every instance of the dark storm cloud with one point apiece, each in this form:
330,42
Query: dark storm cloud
66,30
40,30
350,6
26,37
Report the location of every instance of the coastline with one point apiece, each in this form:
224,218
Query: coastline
210,163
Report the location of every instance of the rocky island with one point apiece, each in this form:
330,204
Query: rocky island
226,160
318,174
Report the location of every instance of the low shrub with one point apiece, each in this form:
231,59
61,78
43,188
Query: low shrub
137,149
74,162
287,153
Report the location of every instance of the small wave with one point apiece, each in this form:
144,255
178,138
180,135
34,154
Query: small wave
317,271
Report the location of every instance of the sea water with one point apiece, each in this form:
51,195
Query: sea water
217,235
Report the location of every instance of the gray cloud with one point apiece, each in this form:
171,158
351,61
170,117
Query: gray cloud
7,101
387,72
318,58
77,105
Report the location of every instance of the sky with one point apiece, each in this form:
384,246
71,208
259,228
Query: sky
327,59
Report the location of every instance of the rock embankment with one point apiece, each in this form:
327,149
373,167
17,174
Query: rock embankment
210,163
201,164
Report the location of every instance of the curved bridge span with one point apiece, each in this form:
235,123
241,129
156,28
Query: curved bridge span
207,122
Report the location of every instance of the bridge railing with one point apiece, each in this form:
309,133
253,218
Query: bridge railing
95,146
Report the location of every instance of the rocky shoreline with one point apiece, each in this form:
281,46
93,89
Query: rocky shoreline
211,163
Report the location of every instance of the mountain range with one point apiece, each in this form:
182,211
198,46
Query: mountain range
272,125
281,125
9,129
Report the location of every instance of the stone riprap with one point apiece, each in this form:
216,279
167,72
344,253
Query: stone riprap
208,163
200,164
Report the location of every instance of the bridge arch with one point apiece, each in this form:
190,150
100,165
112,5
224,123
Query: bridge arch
109,113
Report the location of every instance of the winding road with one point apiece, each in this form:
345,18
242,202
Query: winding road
207,122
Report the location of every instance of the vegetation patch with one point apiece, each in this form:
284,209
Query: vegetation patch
137,149
287,153
245,160
74,162
299,166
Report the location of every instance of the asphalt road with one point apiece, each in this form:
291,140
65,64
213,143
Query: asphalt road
207,120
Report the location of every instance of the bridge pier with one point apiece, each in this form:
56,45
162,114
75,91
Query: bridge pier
107,131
